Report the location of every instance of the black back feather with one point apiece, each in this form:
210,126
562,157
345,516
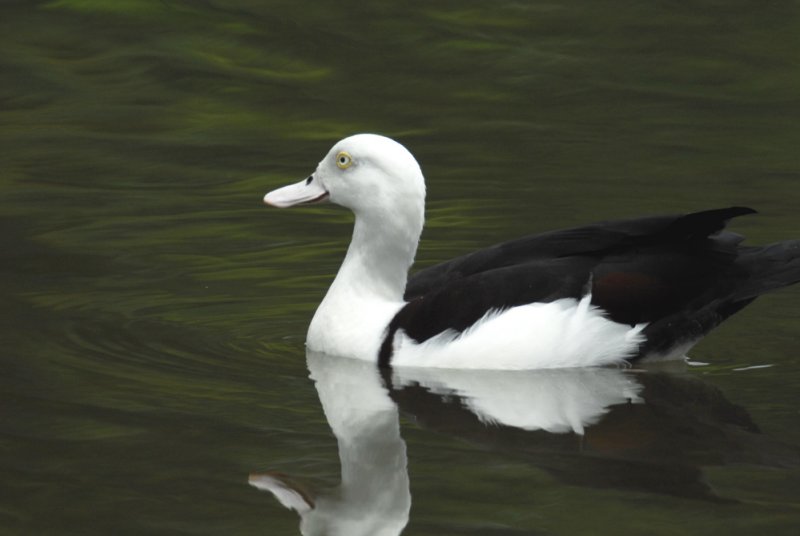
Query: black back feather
673,272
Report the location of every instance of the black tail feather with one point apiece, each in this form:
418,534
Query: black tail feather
771,267
759,270
706,223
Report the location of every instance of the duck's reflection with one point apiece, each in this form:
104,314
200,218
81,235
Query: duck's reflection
604,428
374,496
637,430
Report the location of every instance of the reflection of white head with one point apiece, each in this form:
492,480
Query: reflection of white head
553,400
374,497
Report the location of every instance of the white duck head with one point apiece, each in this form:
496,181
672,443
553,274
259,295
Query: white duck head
381,182
372,175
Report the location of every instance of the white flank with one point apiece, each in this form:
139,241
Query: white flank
563,333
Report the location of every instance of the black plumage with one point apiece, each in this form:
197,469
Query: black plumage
681,274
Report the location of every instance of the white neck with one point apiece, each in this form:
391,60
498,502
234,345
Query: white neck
378,259
368,290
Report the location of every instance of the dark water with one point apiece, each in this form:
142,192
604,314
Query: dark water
153,312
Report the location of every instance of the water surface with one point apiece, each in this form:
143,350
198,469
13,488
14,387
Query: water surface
153,312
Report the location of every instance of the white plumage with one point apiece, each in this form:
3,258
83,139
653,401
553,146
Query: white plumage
563,333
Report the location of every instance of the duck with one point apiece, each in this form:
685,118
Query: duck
607,293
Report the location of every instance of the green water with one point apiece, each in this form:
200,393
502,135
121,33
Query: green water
154,312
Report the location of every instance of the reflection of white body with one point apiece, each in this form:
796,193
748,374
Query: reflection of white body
374,497
557,401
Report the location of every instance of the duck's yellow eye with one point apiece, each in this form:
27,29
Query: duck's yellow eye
344,160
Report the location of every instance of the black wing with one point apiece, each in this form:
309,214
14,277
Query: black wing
639,270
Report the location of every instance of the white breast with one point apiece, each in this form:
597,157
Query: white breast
350,326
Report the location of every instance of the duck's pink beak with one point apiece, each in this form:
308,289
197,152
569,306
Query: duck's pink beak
307,191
